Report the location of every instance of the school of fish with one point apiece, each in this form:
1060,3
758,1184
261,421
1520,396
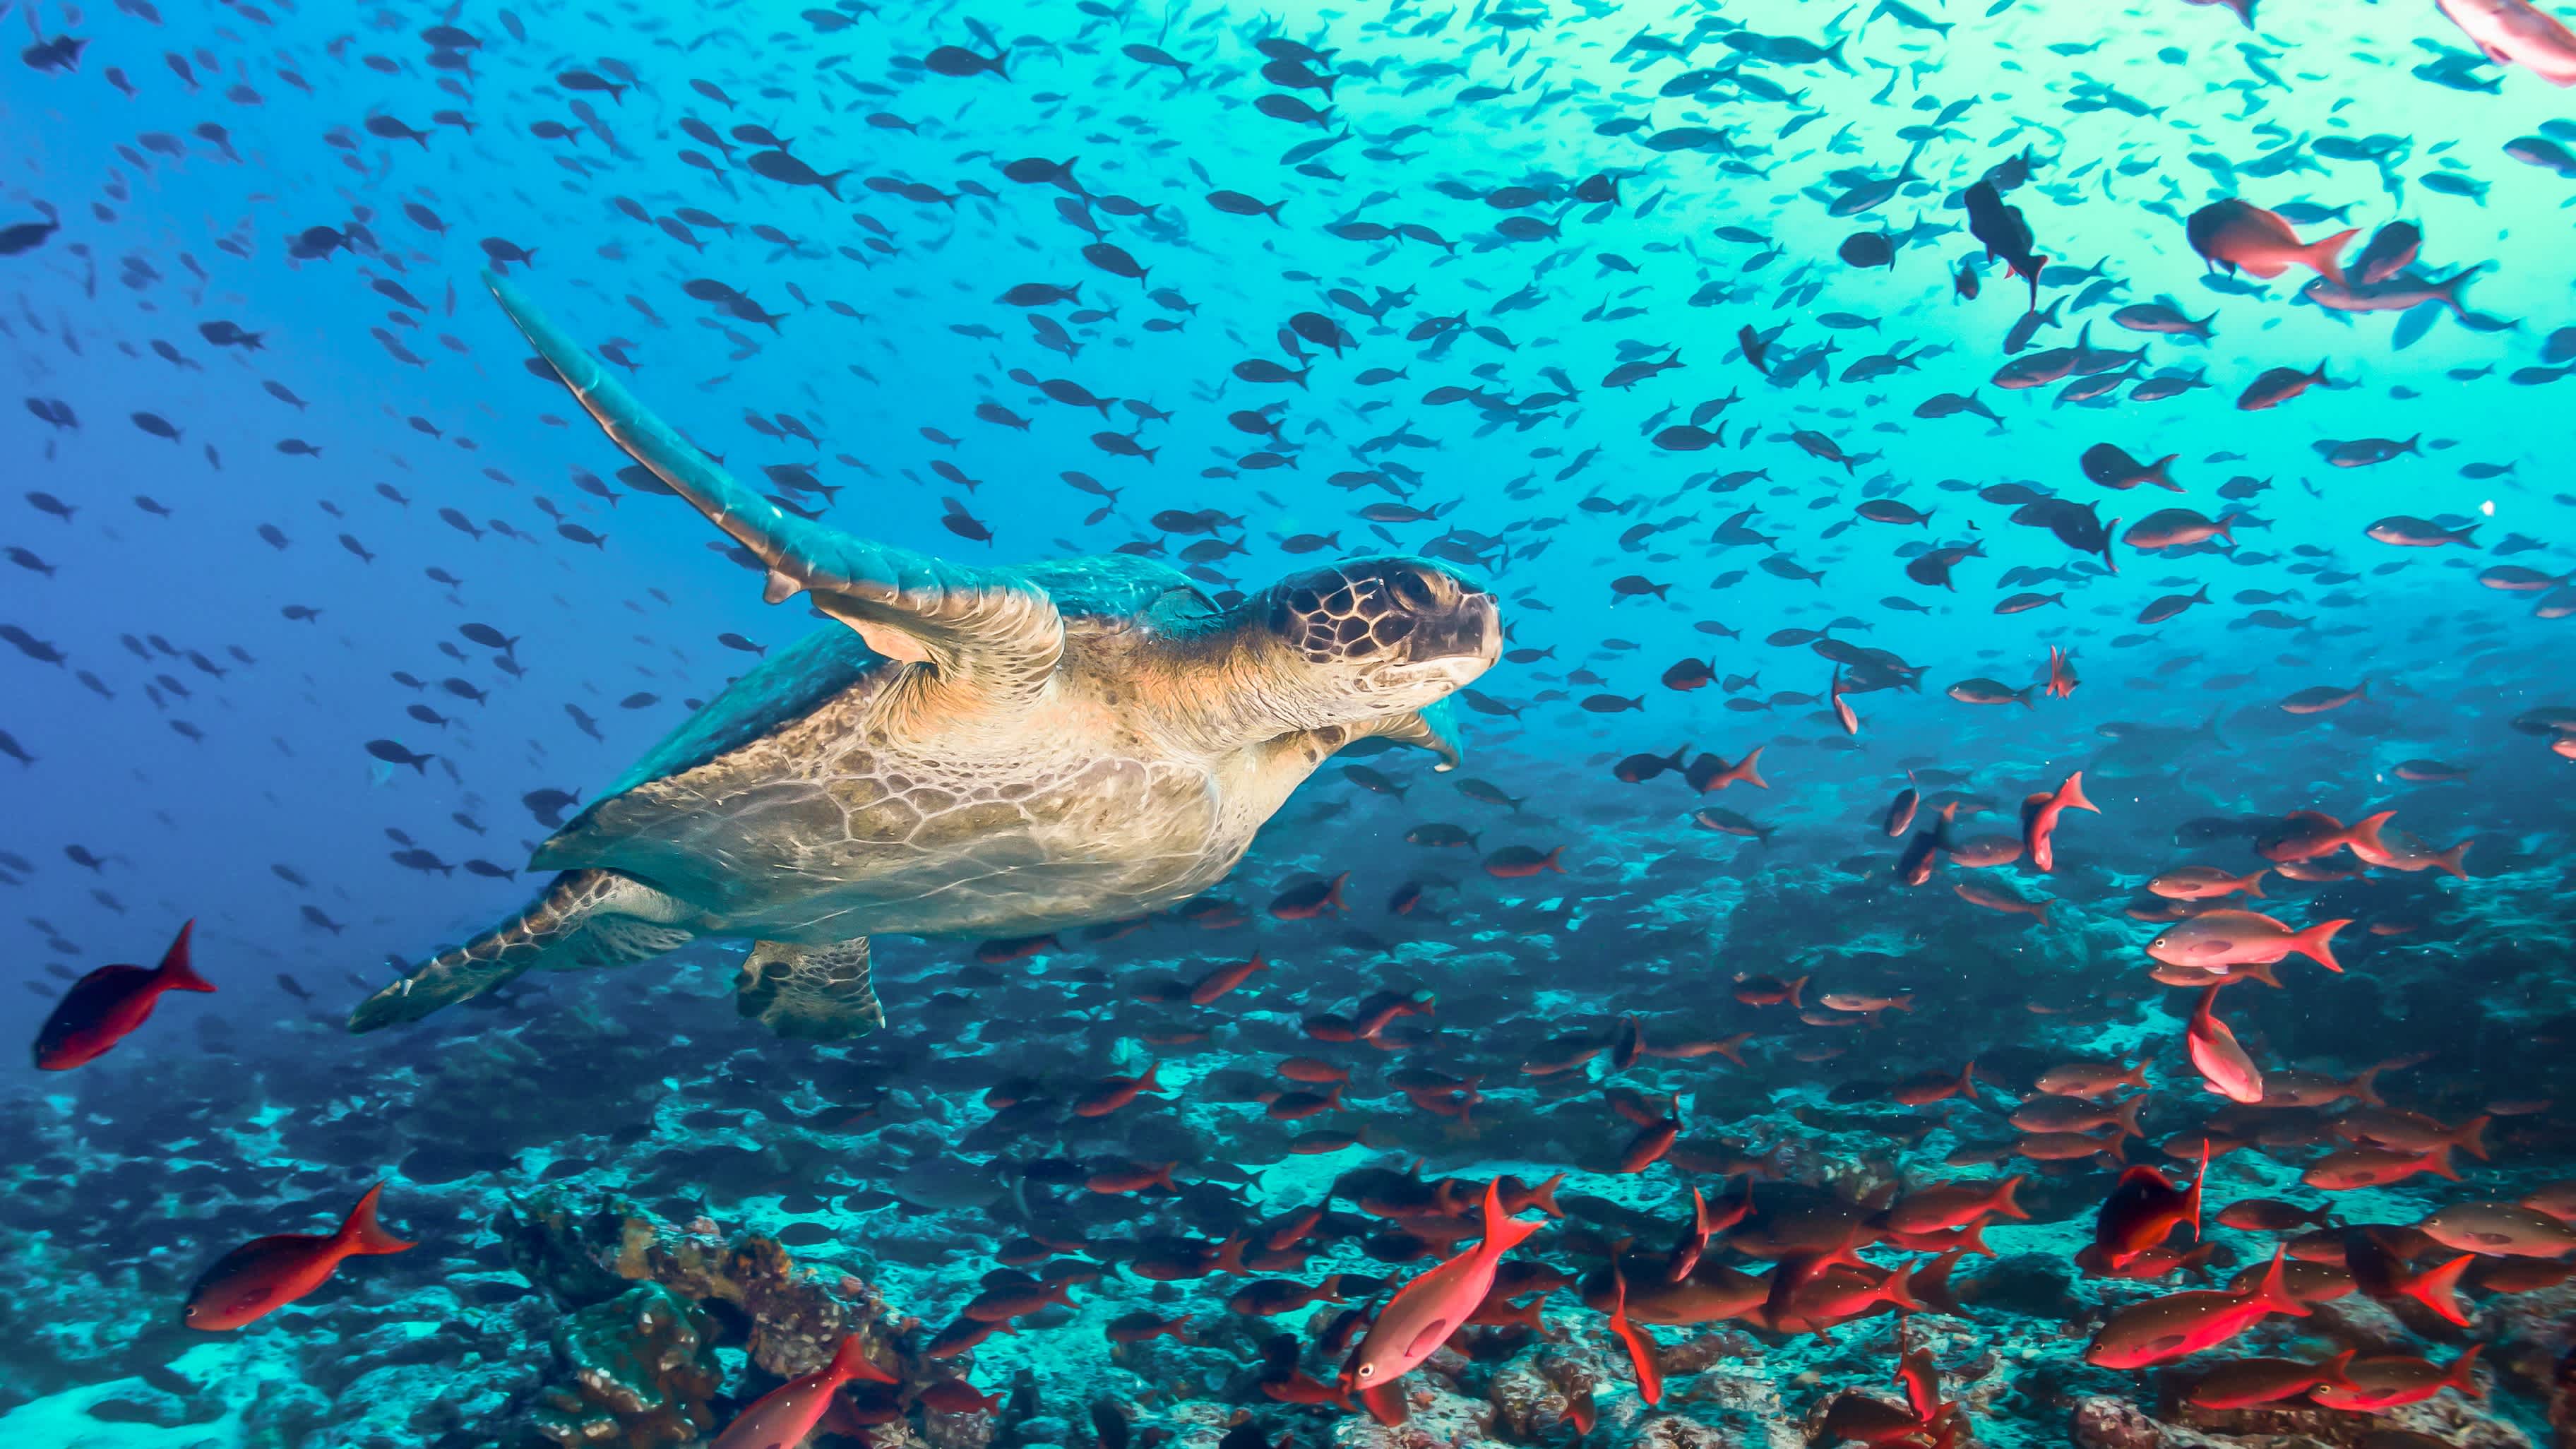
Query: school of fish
2138,1022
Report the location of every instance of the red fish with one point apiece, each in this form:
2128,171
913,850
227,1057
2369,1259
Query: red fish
2307,834
2177,1324
790,1412
1111,1093
1306,902
2253,1382
2061,672
1770,991
265,1274
1900,813
956,1396
2388,1380
1711,773
1226,978
1513,862
2216,1056
1652,1141
2039,814
103,1007
1015,948
1686,1253
1145,1324
1294,1387
1424,1312
2143,1210
1641,1349
2237,234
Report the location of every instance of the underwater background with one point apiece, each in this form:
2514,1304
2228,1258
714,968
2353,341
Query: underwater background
327,605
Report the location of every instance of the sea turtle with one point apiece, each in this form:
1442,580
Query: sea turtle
981,751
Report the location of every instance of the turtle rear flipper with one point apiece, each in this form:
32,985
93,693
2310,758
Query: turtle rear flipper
812,993
584,918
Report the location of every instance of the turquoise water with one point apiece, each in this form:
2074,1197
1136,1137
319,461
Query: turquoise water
328,604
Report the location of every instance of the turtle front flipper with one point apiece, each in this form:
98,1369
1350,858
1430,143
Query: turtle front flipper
584,918
812,993
985,629
1434,727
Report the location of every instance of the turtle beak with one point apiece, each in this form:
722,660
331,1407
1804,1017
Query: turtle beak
1455,623
1469,630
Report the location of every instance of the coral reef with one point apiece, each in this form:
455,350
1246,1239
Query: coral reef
790,1321
634,1372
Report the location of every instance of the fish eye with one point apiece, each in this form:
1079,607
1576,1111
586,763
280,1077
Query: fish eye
1368,1371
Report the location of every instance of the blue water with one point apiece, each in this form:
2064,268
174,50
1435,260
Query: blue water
210,640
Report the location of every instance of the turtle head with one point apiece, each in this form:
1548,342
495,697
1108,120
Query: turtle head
1355,649
1367,638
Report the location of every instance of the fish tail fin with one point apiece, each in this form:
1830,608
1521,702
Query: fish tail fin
2471,1136
2461,1371
1544,1199
2365,1087
2070,795
1747,770
2273,1292
2448,289
1931,1281
2437,1288
1502,1233
2338,1369
363,1234
1552,862
178,970
2195,1196
1968,1080
1797,989
1148,1082
2315,943
2006,1204
2126,1118
2254,883
1229,1255
2449,860
2438,1162
850,1363
1898,1289
2326,255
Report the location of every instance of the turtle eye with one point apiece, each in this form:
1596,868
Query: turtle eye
1414,589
